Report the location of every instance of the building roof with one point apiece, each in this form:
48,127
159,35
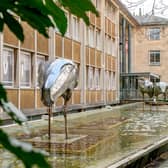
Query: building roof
125,10
151,20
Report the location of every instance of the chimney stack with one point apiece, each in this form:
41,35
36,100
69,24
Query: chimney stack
140,12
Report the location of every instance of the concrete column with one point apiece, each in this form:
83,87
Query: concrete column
1,52
83,64
35,69
51,44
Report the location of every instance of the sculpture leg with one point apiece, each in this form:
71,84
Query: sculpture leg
65,119
67,95
164,96
143,102
49,122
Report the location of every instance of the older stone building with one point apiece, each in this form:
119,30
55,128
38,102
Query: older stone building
151,46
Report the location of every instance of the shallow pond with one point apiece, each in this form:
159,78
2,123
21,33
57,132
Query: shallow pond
97,138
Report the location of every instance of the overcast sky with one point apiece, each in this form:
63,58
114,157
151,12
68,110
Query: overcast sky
161,6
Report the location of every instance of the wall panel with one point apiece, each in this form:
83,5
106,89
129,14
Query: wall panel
27,98
92,56
76,97
58,45
98,58
42,44
98,22
113,30
39,102
109,27
9,37
59,101
29,42
87,55
92,18
87,97
93,97
12,95
98,96
67,48
76,51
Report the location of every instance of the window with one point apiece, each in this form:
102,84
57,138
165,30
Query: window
113,48
90,78
87,36
68,25
154,33
79,77
8,67
109,46
97,4
98,40
75,28
154,57
25,69
40,59
97,78
108,82
91,37
113,81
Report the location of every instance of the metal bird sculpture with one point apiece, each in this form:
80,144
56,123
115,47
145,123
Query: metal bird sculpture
146,87
57,78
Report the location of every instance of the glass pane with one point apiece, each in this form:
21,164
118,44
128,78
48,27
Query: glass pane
7,67
25,69
40,59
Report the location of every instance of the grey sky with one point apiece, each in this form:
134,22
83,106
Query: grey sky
161,6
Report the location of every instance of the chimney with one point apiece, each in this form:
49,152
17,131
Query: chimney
140,12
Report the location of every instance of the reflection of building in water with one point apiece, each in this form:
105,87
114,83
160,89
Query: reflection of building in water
94,49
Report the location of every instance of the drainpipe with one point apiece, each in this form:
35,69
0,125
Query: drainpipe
129,48
123,45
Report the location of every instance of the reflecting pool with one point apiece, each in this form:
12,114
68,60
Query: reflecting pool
97,138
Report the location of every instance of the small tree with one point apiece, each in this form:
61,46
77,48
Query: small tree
40,15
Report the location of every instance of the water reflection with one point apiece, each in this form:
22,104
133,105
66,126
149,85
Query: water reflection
97,138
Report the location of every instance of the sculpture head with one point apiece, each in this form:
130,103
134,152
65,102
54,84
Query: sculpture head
55,77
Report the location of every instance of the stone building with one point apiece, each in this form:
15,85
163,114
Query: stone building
151,46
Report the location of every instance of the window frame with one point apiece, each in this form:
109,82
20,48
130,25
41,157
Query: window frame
75,28
97,76
13,67
29,56
91,37
37,66
153,35
154,63
98,40
90,78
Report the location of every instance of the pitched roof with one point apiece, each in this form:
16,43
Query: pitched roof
151,20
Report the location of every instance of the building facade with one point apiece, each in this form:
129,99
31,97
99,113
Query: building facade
151,51
95,50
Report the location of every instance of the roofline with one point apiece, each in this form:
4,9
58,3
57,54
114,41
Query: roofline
125,11
153,24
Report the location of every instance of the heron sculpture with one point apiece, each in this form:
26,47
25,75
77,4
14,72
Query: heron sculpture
57,79
160,88
146,87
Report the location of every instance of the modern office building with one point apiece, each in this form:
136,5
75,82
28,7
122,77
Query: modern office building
95,49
